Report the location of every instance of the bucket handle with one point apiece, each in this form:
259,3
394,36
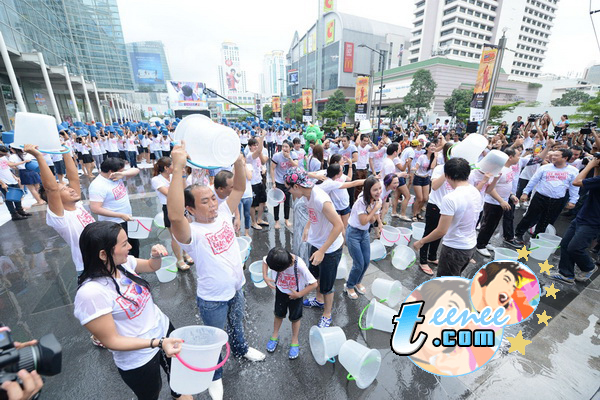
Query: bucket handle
350,377
534,248
331,360
262,280
142,225
196,369
361,316
412,262
65,149
200,166
391,241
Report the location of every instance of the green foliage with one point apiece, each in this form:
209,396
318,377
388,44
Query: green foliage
394,111
534,85
496,112
292,111
421,91
571,98
532,104
586,112
350,109
267,112
336,102
458,104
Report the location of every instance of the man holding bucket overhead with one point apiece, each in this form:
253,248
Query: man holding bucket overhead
211,242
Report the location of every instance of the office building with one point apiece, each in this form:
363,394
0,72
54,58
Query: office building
149,66
273,78
232,78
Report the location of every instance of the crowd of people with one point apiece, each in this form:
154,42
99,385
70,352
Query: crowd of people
346,187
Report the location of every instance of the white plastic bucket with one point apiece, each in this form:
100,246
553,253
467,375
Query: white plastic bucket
403,257
549,229
275,197
207,143
159,220
380,316
418,228
249,240
470,149
201,348
405,234
549,237
244,248
391,291
390,236
325,343
342,270
541,249
139,228
36,129
501,253
168,269
256,274
361,362
378,251
493,162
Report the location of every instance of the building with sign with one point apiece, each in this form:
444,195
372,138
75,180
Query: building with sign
149,66
343,59
232,78
273,78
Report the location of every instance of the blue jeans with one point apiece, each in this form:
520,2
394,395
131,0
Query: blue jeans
229,316
245,204
573,249
359,248
131,158
157,154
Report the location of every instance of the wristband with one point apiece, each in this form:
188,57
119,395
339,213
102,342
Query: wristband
152,341
160,343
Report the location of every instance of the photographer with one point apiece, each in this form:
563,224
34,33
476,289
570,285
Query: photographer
31,381
560,129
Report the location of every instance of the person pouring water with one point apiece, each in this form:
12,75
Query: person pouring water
211,242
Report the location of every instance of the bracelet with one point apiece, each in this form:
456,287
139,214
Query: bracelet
160,343
155,257
152,341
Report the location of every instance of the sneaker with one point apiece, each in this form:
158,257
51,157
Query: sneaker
313,303
272,344
17,217
254,355
324,322
215,390
525,204
23,213
517,206
584,276
511,243
557,276
294,351
519,241
484,252
490,247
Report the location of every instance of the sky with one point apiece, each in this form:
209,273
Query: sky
193,30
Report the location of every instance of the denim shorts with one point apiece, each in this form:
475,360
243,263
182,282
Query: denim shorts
327,270
345,211
421,181
401,182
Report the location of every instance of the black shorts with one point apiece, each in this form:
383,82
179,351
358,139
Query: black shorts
327,270
401,182
122,154
87,159
152,156
59,167
166,216
166,153
421,180
259,193
283,304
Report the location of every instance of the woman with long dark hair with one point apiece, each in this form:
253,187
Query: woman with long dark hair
364,213
29,178
114,303
425,165
315,161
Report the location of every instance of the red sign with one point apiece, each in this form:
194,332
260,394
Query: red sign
348,57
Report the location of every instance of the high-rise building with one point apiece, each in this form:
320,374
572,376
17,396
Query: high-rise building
149,66
458,29
232,78
273,79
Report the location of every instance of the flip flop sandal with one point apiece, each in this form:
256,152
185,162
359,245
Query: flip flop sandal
426,269
188,260
407,219
263,223
182,266
434,262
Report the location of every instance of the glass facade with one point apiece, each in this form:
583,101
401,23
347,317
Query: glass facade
85,35
149,66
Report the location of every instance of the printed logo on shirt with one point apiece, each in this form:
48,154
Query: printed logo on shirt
137,293
221,240
4,164
85,218
287,281
556,176
120,191
312,216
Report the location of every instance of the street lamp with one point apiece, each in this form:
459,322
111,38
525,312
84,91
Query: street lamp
381,63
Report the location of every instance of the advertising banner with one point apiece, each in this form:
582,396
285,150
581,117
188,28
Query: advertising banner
328,6
187,95
147,68
276,106
361,95
484,76
293,77
232,74
348,57
330,32
307,105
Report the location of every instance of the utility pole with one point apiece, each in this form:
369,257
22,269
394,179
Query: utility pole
494,83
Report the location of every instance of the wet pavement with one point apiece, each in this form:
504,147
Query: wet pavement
38,284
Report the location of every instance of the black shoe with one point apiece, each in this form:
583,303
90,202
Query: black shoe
17,217
511,243
23,213
519,241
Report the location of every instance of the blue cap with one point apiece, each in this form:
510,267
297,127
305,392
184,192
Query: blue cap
262,125
157,123
253,133
93,134
119,131
154,130
167,122
92,129
98,125
79,132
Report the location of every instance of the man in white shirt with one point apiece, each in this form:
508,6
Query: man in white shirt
364,148
459,213
109,198
551,182
324,234
256,158
211,242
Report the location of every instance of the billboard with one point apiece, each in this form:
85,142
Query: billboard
276,106
292,77
330,32
361,97
186,95
147,68
484,76
307,105
348,57
328,6
232,74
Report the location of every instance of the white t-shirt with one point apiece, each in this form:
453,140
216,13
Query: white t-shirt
69,227
436,196
423,170
96,149
6,174
160,181
464,205
554,182
113,196
388,167
286,281
477,176
142,319
281,165
407,153
256,165
112,145
165,144
217,257
15,159
130,144
507,184
348,152
248,191
320,227
378,158
363,157
339,197
359,208
300,154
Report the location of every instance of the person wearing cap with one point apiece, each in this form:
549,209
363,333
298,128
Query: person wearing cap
324,234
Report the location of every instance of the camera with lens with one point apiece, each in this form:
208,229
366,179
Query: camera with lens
45,357
587,128
534,117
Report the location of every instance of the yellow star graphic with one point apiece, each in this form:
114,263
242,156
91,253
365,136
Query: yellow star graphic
551,291
517,343
545,267
543,318
524,253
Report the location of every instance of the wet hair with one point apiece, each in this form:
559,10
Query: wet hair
364,136
279,259
369,183
432,156
188,196
335,158
112,164
392,148
221,179
388,179
510,152
333,170
573,148
161,164
296,141
252,142
4,149
457,169
286,142
445,151
566,153
96,237
431,291
317,153
347,137
494,268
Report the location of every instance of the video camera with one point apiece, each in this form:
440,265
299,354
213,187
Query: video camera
587,128
44,357
534,117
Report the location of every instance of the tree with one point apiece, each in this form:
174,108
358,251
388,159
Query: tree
336,102
571,98
458,104
350,109
586,112
496,112
267,112
421,91
293,111
394,111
